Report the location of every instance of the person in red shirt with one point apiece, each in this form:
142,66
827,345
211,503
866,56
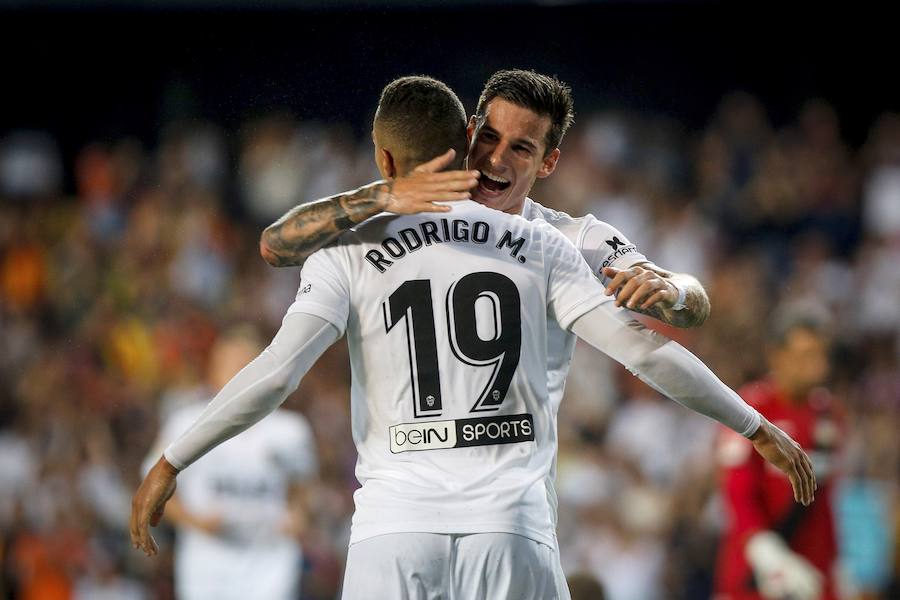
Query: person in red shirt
774,548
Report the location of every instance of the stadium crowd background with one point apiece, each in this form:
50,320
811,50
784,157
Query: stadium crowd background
123,258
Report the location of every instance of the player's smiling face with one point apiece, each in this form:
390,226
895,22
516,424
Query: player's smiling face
508,146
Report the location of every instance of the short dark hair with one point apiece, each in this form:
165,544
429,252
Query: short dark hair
422,118
545,95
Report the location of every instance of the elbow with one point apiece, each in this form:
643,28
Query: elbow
695,317
285,377
702,311
265,250
286,257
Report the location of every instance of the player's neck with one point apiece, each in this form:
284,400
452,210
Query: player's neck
516,209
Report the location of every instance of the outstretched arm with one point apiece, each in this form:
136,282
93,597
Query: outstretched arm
257,390
673,371
304,229
677,299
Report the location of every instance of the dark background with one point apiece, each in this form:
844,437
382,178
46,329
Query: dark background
103,71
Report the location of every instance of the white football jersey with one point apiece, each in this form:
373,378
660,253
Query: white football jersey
446,317
601,245
245,482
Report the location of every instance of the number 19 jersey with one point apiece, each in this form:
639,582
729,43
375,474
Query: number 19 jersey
446,321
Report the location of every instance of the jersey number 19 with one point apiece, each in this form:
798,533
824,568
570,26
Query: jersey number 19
412,303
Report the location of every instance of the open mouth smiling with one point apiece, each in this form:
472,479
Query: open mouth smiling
492,184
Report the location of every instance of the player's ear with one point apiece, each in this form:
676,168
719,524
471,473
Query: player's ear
386,164
549,164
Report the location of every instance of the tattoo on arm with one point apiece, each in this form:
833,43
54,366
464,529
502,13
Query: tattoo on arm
696,302
304,229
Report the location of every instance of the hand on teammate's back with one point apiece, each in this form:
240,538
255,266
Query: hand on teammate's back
781,450
426,184
149,502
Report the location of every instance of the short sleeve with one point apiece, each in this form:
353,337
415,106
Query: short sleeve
324,288
602,245
572,289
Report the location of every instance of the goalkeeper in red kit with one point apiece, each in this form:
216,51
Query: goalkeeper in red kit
774,548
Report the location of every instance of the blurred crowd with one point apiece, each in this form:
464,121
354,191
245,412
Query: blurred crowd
119,271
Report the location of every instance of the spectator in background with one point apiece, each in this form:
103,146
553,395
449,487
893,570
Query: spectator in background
772,550
239,512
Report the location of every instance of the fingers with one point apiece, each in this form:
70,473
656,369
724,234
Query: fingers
415,193
796,484
801,474
778,448
437,163
455,181
432,207
657,296
140,533
619,278
148,505
442,197
649,288
805,490
631,286
640,288
426,203
469,178
809,475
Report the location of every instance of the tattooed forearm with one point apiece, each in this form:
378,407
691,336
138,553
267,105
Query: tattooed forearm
304,229
696,302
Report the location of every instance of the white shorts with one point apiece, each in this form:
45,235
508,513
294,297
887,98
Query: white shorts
436,566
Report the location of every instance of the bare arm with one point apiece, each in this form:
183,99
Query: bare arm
304,229
649,289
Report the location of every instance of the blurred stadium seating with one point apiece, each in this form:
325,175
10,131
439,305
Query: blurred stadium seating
122,257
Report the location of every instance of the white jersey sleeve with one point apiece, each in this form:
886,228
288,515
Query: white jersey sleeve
258,389
602,245
665,366
324,288
572,289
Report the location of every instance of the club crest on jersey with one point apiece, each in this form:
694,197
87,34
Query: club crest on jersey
428,233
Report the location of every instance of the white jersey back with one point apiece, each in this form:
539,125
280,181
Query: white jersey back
446,319
245,483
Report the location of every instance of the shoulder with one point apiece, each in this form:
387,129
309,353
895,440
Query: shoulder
568,225
586,231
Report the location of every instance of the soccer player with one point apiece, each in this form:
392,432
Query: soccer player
452,414
239,510
773,548
514,138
